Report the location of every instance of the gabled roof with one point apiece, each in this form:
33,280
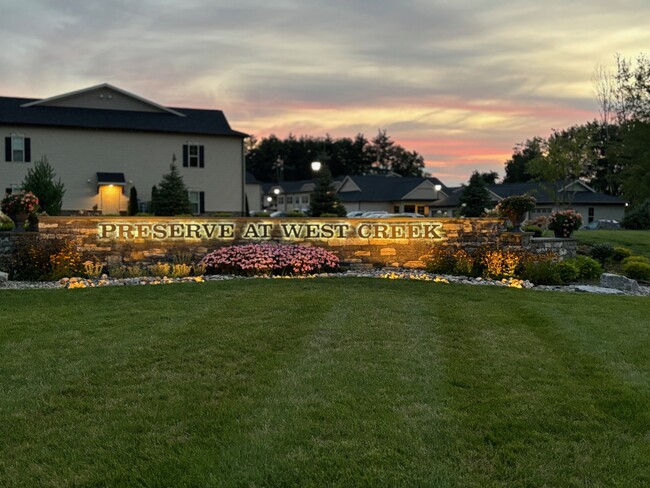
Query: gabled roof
56,112
544,193
104,91
380,188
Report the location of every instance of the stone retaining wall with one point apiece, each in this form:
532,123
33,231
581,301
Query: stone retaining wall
357,242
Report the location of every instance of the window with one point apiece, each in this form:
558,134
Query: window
289,199
17,149
197,201
421,210
396,209
409,208
305,199
193,156
281,200
591,214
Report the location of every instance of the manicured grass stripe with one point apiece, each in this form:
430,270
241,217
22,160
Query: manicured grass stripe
322,383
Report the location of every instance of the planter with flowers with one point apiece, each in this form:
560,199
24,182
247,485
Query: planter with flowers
564,222
515,208
21,207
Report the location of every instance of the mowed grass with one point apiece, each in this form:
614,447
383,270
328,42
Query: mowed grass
323,382
636,240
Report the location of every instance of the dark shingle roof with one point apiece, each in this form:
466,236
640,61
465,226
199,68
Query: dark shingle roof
196,121
543,192
379,188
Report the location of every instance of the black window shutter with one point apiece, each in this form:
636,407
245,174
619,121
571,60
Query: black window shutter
7,148
201,202
186,151
201,157
28,149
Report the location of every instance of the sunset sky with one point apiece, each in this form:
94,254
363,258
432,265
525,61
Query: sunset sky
461,82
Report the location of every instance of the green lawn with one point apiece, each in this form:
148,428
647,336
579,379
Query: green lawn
636,240
323,382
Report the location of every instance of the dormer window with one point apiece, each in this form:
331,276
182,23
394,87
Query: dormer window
17,149
193,156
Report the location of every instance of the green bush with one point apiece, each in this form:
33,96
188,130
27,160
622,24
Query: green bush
590,269
638,218
545,272
637,270
6,223
569,271
440,260
635,259
535,229
30,259
602,251
620,253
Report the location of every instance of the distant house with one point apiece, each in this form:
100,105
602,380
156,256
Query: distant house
577,195
103,140
392,194
290,196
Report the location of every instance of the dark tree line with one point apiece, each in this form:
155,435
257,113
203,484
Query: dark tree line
612,154
275,159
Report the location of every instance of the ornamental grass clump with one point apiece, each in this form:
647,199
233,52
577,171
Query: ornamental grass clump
269,259
564,222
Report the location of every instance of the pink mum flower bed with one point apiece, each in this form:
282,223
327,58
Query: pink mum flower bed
270,259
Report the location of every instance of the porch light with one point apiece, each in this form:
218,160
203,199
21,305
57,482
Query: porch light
316,166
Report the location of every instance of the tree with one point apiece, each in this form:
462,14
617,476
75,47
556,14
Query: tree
40,181
566,156
517,168
133,201
154,200
476,197
324,199
635,153
490,177
172,197
274,159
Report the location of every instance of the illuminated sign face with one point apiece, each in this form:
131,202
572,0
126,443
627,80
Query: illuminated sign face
308,230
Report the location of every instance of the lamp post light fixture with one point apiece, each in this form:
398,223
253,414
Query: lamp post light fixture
437,187
316,166
276,191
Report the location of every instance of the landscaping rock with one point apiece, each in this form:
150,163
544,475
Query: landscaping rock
618,282
4,276
598,289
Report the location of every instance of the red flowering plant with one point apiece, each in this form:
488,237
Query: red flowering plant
564,222
269,259
16,203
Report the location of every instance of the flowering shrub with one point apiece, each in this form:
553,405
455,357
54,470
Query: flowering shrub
67,262
269,259
500,264
564,222
515,206
20,202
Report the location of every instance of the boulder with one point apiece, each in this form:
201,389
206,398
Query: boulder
618,282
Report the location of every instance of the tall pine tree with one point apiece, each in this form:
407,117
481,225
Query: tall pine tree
172,197
324,199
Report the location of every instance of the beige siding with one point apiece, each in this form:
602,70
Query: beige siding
78,154
104,99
